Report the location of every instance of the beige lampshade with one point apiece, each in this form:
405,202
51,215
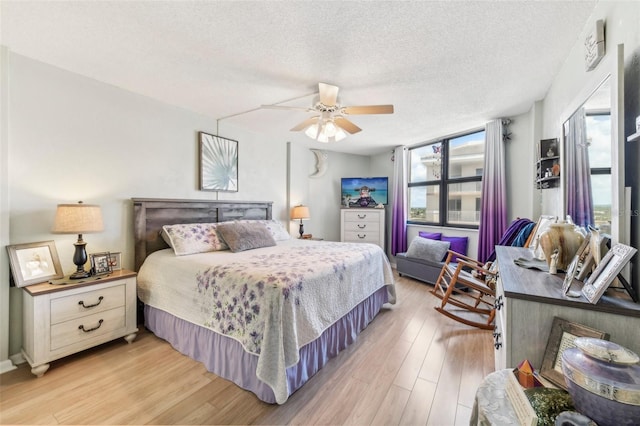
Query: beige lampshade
300,212
78,219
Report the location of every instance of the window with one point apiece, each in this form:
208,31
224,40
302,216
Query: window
599,142
445,181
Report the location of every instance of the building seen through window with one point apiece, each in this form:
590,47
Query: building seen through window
599,145
445,181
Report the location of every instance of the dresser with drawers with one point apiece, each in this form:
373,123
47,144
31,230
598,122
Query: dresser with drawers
527,300
362,226
60,320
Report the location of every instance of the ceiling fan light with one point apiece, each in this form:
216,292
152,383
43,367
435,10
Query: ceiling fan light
312,131
329,132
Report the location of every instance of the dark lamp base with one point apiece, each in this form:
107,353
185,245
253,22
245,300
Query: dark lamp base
79,275
79,259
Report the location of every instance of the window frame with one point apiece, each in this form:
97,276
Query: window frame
599,171
444,181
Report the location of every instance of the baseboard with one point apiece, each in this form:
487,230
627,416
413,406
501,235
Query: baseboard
6,366
18,358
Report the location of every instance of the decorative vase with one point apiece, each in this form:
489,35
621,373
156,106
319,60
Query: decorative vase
564,238
603,379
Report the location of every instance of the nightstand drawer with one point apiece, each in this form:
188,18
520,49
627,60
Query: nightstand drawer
79,305
60,320
362,237
87,327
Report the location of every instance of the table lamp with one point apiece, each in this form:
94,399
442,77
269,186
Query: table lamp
78,219
300,212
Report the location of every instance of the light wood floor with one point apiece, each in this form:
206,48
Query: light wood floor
410,366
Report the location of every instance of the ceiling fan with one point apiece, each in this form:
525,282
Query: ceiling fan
330,124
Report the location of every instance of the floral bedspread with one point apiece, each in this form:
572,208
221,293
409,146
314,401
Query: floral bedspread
273,300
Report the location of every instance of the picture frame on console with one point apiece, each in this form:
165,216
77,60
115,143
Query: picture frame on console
561,337
607,271
577,266
543,223
33,263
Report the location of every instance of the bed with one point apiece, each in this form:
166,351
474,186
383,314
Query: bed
267,318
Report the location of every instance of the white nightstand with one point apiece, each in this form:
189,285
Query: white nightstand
60,320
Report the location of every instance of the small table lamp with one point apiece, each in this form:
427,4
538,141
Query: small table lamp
78,219
300,212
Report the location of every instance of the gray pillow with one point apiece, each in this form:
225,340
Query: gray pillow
427,249
245,236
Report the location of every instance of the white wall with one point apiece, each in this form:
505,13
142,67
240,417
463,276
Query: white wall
571,86
323,192
622,26
520,167
65,138
5,364
72,138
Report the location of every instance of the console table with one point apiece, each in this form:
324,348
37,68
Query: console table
528,299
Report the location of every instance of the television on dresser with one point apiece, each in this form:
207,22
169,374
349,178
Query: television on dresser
364,191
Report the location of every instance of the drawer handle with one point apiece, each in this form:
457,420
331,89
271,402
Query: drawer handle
362,216
81,303
362,226
81,327
496,338
498,303
362,237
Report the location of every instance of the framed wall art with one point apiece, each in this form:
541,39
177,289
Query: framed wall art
607,270
562,336
218,163
100,263
34,263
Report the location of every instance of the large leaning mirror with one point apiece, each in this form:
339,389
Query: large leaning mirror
593,154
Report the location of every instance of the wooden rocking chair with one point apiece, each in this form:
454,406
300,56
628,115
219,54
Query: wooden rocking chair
468,285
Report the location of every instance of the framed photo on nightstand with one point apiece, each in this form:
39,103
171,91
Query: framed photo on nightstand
100,263
34,263
115,260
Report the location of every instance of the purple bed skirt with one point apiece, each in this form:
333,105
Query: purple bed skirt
226,358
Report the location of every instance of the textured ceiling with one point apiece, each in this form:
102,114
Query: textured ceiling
445,66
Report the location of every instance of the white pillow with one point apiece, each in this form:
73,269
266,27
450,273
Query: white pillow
427,249
190,238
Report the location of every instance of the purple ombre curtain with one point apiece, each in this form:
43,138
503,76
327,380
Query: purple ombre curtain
399,207
493,208
578,173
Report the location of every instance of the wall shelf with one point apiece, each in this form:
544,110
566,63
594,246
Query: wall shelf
548,164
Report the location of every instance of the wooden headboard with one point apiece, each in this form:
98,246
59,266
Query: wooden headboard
150,214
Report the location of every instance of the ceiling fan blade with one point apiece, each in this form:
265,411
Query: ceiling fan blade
346,125
306,123
286,107
328,94
368,109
